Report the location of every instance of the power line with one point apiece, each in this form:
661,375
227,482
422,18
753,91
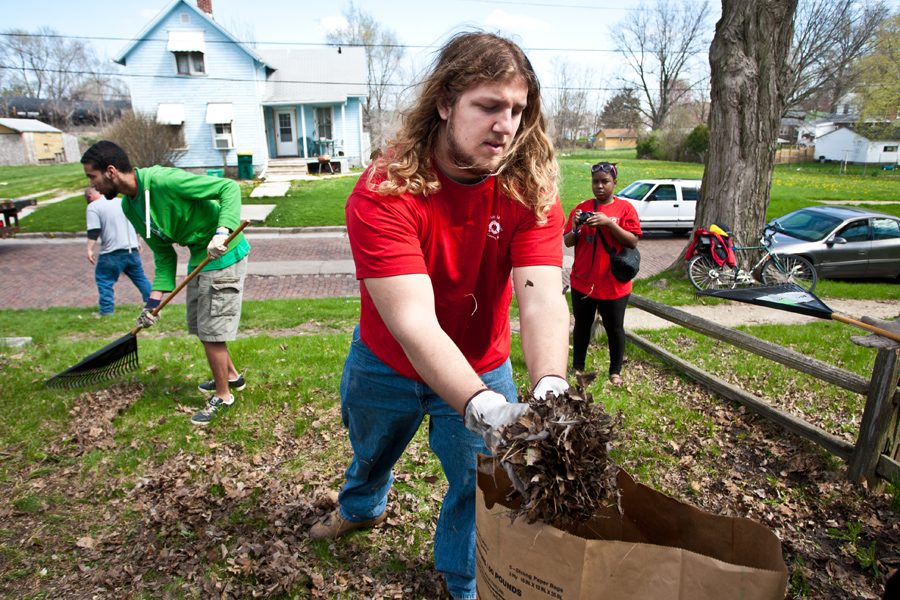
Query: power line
280,81
313,44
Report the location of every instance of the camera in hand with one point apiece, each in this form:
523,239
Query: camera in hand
584,217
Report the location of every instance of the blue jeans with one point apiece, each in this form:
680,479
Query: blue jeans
383,410
109,267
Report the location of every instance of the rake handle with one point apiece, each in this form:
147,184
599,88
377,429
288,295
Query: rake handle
866,326
191,275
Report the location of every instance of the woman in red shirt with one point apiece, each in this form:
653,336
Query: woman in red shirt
594,289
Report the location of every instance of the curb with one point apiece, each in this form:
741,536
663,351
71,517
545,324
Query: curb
51,234
279,230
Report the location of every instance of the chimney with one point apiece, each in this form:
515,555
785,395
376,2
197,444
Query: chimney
205,6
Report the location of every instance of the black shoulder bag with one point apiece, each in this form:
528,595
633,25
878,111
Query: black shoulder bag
624,265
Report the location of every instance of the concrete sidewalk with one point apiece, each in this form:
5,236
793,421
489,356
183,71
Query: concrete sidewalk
39,272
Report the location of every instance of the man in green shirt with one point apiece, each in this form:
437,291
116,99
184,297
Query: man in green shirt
170,206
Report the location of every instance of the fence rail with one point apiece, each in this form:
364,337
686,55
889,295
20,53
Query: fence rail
876,450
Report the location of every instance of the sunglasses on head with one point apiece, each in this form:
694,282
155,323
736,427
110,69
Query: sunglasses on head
605,167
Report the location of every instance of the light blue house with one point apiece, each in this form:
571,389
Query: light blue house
227,98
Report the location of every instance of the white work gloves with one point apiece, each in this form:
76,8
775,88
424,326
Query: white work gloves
874,340
217,246
487,410
550,383
147,318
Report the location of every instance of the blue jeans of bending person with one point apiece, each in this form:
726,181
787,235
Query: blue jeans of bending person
383,410
106,274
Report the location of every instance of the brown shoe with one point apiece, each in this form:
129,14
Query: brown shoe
335,526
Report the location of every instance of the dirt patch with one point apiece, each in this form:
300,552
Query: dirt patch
308,328
733,314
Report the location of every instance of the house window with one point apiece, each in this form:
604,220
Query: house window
222,138
323,122
189,47
220,116
890,148
190,63
172,115
185,19
285,127
178,131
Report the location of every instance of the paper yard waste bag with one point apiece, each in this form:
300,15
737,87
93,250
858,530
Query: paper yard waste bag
658,549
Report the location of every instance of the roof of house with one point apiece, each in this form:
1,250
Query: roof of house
881,132
315,75
121,56
22,125
612,132
874,132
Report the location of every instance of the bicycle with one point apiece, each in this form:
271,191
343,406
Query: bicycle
771,269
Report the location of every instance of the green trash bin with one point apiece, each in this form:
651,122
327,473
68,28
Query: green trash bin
245,165
216,172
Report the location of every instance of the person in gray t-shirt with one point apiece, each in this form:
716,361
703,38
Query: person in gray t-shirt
119,249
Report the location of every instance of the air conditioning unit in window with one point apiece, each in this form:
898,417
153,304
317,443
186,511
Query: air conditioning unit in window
223,142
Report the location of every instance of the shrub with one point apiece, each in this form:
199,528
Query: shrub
146,142
648,147
697,141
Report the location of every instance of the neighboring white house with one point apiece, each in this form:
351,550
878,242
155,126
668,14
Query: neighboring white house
794,130
31,142
228,99
867,144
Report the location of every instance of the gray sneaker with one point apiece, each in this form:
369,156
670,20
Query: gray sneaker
210,386
213,406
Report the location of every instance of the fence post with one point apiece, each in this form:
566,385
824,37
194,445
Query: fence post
876,420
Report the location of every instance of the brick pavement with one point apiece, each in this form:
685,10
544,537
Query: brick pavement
39,273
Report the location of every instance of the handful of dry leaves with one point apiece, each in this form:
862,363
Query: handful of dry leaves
560,455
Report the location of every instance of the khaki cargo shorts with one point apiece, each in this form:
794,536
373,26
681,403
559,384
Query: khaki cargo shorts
214,302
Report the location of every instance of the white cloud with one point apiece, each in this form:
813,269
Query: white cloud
507,22
329,24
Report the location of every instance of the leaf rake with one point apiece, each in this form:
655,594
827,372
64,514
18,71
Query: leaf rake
121,356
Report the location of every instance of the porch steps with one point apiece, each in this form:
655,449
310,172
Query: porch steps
286,169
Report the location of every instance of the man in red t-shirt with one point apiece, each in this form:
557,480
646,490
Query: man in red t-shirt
464,196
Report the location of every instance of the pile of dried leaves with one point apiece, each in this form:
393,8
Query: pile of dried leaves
559,455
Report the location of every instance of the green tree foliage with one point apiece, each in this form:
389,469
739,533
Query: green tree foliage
648,146
146,142
622,110
880,73
698,141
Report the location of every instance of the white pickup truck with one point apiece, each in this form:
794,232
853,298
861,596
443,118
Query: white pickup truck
664,204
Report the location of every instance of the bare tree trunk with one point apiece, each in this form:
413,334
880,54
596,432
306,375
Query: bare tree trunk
749,60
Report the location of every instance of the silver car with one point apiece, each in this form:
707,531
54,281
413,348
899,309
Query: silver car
841,241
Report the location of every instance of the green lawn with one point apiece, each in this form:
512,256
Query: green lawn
320,203
29,181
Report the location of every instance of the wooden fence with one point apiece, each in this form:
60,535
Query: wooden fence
875,454
794,155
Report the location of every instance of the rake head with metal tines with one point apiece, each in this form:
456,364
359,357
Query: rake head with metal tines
107,363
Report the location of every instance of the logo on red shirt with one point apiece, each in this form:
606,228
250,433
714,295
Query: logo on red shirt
494,228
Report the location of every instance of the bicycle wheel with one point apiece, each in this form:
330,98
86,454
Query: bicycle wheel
787,268
705,274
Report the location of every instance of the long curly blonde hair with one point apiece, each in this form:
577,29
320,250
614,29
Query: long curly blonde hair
529,171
